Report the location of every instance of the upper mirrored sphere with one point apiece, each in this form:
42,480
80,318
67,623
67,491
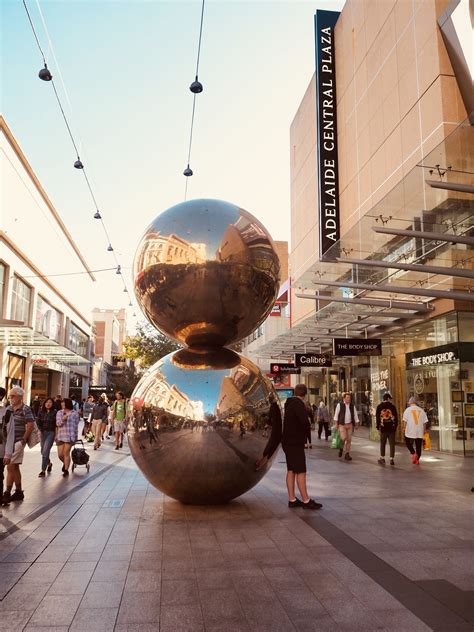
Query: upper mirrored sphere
197,434
206,273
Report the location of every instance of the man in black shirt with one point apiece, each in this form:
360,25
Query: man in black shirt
295,431
386,417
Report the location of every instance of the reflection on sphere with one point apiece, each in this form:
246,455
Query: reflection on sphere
206,273
196,434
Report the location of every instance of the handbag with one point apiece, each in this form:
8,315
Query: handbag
34,437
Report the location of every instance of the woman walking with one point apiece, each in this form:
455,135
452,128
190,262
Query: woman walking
118,418
67,422
46,422
322,416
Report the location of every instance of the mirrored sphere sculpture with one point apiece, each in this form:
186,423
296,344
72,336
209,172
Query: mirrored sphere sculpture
196,434
206,273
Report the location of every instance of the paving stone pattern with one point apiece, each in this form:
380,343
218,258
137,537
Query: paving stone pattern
106,551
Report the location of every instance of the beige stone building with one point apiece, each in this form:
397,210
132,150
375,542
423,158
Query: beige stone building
396,77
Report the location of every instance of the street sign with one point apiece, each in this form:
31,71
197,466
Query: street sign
357,346
278,368
312,359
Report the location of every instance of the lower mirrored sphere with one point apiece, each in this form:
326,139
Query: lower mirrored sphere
196,434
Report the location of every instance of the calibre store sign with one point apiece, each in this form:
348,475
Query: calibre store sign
357,346
312,359
326,121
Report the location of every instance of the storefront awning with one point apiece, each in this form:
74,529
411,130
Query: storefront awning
27,342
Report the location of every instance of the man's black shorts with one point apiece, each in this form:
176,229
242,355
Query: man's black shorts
295,459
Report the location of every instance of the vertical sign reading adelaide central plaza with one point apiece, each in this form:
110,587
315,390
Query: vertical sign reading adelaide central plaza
326,123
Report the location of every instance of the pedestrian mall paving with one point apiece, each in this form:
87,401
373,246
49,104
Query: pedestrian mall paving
392,549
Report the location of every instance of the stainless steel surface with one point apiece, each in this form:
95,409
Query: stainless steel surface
197,433
375,302
461,187
422,234
457,272
397,289
206,273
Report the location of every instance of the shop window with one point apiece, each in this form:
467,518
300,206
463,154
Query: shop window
47,320
15,371
21,300
466,326
2,287
77,340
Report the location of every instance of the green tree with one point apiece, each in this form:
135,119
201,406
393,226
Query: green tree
125,381
147,346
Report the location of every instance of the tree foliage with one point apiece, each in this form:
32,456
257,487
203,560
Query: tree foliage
147,346
125,381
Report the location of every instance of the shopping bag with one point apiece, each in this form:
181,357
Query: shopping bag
337,443
34,437
426,441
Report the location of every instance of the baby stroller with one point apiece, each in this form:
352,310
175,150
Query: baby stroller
79,456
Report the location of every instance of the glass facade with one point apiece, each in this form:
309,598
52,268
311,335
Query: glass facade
2,287
47,320
21,300
77,340
434,361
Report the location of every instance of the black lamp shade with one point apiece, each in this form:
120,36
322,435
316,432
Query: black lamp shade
196,87
188,172
97,215
78,164
44,74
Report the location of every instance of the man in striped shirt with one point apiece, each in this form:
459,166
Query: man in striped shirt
22,418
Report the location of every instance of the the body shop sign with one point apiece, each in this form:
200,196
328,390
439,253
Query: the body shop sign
326,122
445,354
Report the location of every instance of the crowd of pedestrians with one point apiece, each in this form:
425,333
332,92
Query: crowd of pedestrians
296,435
54,420
57,420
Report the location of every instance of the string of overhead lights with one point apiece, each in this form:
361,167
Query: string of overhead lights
196,88
118,269
45,75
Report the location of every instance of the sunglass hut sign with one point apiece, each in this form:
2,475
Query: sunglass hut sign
324,22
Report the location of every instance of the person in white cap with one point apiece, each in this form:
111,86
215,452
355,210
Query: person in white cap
414,424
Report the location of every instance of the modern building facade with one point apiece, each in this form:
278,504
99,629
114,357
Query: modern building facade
382,169
110,331
45,332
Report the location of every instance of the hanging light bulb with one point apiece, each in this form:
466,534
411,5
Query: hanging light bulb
44,74
196,87
97,215
188,172
109,248
78,164
118,270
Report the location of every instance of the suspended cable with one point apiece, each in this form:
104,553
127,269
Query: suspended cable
34,32
46,75
200,38
48,276
196,88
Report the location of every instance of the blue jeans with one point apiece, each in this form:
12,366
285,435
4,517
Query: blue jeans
47,440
